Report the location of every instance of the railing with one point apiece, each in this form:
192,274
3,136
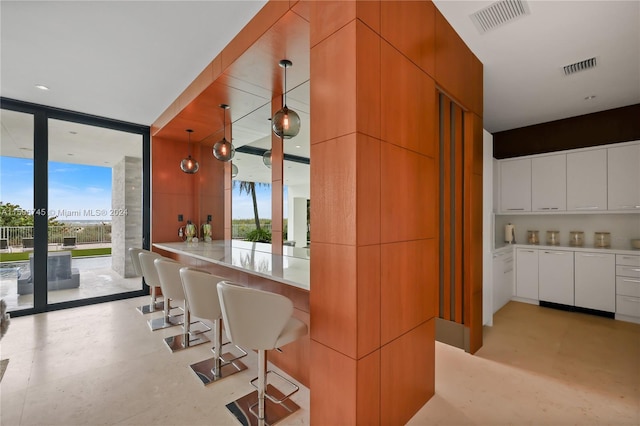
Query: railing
15,236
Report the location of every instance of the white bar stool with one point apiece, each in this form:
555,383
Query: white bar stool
260,320
171,285
150,274
155,305
202,296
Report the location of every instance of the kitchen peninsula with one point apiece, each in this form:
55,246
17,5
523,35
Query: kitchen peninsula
255,265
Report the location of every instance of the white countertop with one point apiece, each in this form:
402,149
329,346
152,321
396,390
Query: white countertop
508,247
253,258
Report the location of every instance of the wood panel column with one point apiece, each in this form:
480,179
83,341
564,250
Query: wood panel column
374,196
277,182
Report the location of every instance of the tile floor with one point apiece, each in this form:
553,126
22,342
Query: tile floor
102,365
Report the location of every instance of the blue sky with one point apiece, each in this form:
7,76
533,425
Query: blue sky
79,192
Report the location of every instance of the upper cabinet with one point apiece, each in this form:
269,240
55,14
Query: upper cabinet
515,185
603,179
624,178
587,180
549,183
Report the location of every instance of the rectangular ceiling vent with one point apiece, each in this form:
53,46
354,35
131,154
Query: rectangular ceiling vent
498,14
580,66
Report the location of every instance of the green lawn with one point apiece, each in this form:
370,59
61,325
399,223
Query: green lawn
16,257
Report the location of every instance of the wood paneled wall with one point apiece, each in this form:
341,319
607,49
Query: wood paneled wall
374,182
600,128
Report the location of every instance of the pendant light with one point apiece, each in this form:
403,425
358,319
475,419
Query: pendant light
223,150
266,158
286,122
189,165
234,171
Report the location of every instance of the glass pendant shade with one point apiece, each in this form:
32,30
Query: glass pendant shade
286,123
224,150
189,165
266,159
234,170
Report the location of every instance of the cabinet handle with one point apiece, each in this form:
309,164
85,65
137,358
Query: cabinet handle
630,207
557,252
528,251
629,257
590,255
632,299
516,209
587,208
631,269
511,270
628,280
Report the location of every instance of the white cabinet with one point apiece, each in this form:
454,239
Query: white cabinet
549,183
555,276
527,273
628,287
595,281
587,180
624,177
515,185
502,279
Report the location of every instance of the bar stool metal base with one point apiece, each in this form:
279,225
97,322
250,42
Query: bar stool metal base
164,322
244,408
204,369
182,341
147,309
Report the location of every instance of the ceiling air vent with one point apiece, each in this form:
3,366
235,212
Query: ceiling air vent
580,66
498,14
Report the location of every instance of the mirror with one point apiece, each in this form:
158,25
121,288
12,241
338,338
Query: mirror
251,139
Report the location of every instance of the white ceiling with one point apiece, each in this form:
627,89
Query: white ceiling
128,60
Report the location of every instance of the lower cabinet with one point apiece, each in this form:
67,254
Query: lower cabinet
628,287
555,276
527,273
595,285
502,279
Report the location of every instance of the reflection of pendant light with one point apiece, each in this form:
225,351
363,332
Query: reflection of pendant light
234,171
286,122
189,164
266,158
223,150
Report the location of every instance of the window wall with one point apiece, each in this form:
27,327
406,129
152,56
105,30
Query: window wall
78,187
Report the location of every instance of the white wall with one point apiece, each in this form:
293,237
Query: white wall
487,228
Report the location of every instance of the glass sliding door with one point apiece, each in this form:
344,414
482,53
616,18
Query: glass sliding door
75,196
16,209
95,210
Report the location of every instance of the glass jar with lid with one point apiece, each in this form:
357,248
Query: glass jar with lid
602,239
576,238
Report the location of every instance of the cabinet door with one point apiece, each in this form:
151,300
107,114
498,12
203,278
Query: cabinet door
527,273
595,285
515,185
587,180
624,177
555,276
549,183
502,280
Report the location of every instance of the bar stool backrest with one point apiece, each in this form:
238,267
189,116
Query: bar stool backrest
253,318
169,275
148,268
135,259
201,293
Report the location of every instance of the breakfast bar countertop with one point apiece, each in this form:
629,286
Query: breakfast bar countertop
291,268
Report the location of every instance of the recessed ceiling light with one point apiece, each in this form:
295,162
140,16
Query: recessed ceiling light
41,87
70,155
588,98
297,146
73,132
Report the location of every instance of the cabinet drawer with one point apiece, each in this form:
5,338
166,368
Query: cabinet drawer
625,259
628,271
628,286
627,305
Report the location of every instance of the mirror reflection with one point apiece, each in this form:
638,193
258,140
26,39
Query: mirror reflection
251,197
